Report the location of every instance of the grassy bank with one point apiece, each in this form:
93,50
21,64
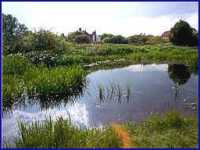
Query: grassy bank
62,134
56,73
170,130
85,54
41,82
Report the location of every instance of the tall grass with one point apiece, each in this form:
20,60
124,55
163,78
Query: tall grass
53,81
62,134
170,130
56,83
15,64
12,89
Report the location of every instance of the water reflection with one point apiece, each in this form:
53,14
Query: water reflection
51,101
179,73
124,94
114,93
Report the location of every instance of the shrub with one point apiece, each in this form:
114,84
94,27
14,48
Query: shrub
106,35
82,39
116,40
137,39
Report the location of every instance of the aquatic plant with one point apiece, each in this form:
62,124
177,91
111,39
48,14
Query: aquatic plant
59,80
101,93
114,92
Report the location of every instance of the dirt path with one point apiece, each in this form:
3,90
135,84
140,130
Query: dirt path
123,136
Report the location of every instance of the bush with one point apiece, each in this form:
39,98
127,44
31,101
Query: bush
82,39
116,40
137,39
106,35
45,40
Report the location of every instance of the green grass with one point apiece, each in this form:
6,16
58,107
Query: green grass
15,64
160,53
62,134
12,89
170,131
56,76
54,81
84,54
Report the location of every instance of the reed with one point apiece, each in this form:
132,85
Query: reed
62,134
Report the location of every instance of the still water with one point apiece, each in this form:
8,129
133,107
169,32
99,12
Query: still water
130,93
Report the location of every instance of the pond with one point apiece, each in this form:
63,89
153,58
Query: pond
130,93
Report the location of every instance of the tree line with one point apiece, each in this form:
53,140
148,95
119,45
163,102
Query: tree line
18,38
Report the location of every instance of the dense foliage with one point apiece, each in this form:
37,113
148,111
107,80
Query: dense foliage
43,64
118,39
82,39
183,34
13,33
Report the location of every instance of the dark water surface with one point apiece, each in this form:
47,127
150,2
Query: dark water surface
124,94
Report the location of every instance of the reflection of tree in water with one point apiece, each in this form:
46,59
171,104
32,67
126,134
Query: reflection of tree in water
180,74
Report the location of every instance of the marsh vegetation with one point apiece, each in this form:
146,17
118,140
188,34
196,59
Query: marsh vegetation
120,80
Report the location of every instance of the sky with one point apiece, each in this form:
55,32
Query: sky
125,18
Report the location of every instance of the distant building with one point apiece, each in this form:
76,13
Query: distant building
166,35
93,37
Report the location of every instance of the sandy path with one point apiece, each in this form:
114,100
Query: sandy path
123,136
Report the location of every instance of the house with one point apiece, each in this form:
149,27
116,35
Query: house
93,36
166,35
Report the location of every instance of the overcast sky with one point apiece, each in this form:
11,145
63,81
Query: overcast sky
125,18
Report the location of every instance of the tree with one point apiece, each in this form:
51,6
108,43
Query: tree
83,38
118,39
106,35
45,40
26,42
71,36
137,39
13,32
183,34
